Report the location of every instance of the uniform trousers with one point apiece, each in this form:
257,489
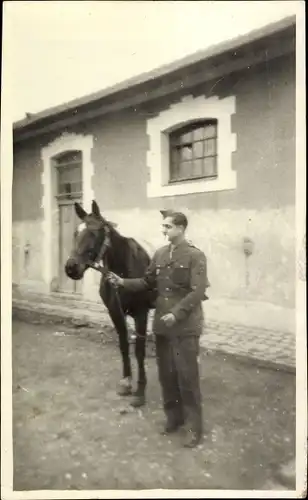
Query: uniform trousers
178,371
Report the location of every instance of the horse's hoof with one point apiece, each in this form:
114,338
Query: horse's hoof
124,391
138,401
125,387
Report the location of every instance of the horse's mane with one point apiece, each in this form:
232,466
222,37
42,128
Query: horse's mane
136,256
138,259
136,248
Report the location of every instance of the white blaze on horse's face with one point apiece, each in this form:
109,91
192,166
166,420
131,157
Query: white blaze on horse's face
81,227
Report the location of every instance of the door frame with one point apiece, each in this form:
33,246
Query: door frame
65,142
76,285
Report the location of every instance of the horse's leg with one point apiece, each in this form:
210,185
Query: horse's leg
125,386
140,345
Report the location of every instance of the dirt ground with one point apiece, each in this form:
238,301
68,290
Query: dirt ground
69,432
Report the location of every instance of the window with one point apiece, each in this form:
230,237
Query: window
186,155
193,151
69,175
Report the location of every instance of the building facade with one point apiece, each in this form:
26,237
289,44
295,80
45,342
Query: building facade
212,136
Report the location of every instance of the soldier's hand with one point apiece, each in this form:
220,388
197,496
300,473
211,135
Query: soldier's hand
168,319
114,279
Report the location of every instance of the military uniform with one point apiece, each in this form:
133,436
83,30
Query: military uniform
180,278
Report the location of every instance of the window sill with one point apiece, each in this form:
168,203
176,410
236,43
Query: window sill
192,179
191,187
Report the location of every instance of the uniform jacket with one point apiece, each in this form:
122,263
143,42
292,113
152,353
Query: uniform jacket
180,280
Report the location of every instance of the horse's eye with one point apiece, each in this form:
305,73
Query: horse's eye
91,254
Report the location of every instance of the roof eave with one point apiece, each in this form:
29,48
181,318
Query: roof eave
135,82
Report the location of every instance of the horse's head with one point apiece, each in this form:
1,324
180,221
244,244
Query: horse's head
91,241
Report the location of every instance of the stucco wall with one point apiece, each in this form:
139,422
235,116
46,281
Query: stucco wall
262,207
27,215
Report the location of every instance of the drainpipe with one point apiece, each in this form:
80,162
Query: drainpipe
248,247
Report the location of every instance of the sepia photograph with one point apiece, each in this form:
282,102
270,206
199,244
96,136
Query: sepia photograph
153,250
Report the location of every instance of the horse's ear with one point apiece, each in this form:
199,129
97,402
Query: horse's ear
81,213
95,209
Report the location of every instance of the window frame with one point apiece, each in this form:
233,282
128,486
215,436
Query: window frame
187,109
175,142
61,166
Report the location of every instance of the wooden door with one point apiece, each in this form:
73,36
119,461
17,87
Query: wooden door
69,186
68,223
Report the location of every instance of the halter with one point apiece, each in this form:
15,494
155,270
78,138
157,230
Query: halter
103,269
106,244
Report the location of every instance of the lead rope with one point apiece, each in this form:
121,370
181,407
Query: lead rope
104,270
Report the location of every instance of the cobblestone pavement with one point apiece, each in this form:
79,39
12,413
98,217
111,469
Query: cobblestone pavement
268,347
265,345
70,430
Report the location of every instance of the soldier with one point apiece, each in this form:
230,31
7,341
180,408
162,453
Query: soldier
179,273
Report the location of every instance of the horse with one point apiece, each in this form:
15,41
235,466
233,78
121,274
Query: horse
96,241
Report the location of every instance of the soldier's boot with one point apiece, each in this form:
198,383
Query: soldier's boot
171,426
174,421
193,428
192,439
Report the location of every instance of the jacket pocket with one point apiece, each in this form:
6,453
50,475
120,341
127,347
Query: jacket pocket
180,275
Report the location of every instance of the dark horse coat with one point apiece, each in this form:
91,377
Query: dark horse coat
97,240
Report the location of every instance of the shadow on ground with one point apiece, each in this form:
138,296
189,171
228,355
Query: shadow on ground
69,432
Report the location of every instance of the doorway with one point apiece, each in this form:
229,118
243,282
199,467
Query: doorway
68,168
